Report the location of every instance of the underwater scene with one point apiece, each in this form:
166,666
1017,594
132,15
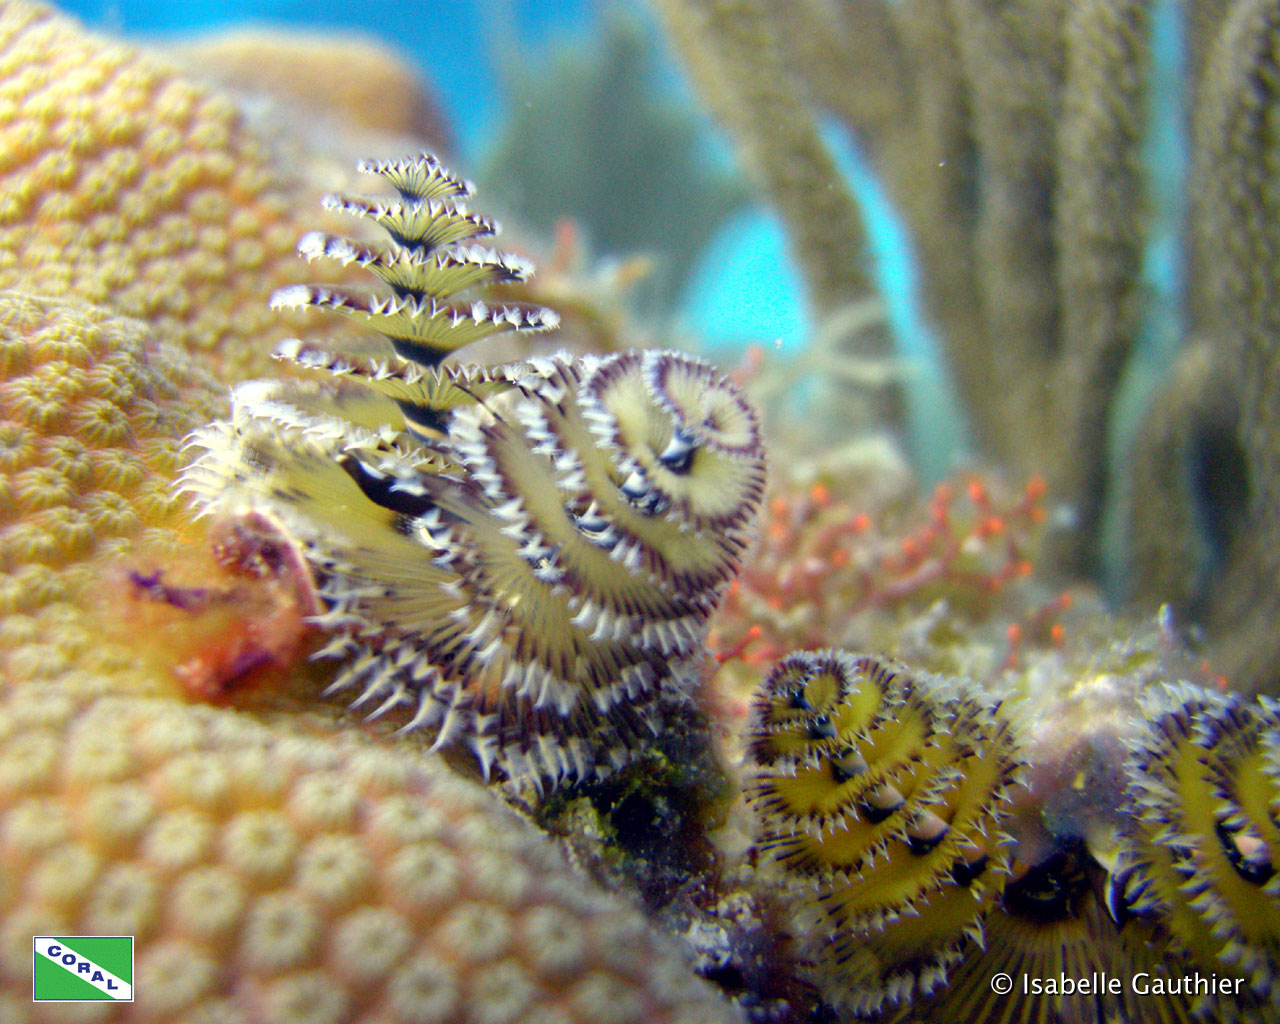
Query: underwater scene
640,512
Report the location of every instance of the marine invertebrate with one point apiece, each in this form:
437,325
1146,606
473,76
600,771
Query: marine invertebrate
91,412
1208,480
276,873
1196,871
1048,923
129,187
1008,133
880,798
737,55
1019,142
523,556
836,561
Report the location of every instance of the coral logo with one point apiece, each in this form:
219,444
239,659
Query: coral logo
83,969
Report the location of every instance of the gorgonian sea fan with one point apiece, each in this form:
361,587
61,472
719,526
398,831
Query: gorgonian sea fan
880,798
522,557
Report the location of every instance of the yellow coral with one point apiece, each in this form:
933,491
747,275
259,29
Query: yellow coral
271,874
87,416
118,182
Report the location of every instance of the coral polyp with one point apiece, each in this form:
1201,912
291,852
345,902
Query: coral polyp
880,797
522,558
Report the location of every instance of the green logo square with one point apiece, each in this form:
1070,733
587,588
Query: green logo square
83,968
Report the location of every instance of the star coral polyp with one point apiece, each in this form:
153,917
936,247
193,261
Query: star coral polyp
91,412
276,874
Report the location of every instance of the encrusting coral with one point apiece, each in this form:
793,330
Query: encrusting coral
839,563
282,874
149,216
92,411
524,555
280,864
126,186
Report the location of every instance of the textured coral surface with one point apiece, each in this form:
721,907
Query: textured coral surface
126,186
92,413
278,875
271,871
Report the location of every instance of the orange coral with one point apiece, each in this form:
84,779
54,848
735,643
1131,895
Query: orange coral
828,560
330,76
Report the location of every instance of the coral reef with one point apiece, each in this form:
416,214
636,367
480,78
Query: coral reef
555,534
128,187
984,121
92,411
220,836
528,564
737,54
853,558
881,798
1011,136
282,873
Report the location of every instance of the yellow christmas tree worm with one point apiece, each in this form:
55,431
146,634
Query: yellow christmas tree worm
1198,864
879,799
519,559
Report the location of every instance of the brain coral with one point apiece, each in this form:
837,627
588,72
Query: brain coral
91,413
275,875
125,186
